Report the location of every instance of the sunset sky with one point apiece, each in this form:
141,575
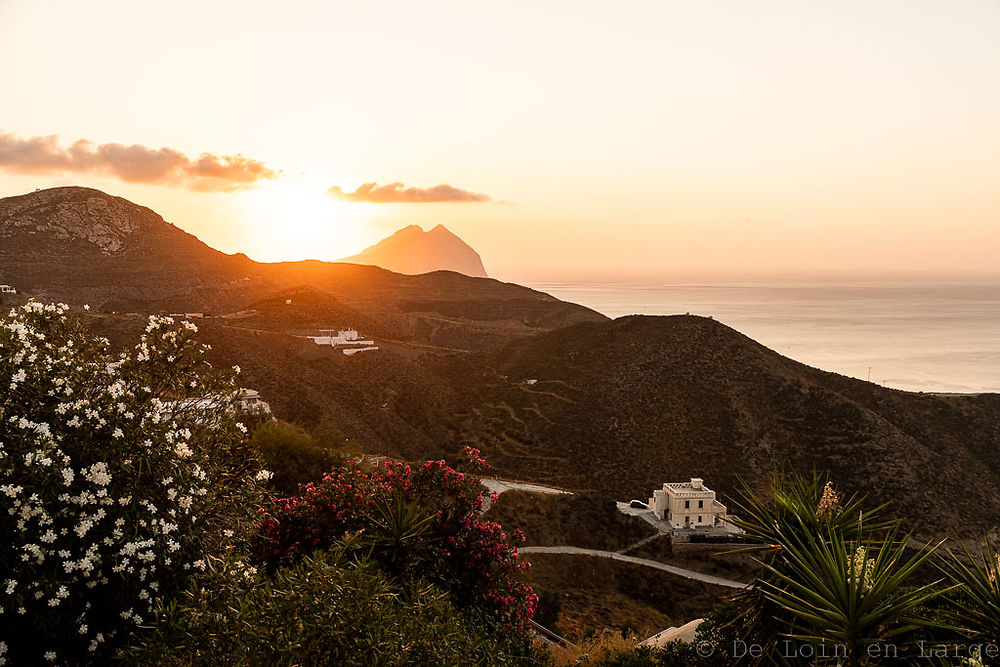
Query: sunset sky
560,139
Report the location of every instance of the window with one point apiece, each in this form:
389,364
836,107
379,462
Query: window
687,504
699,518
701,504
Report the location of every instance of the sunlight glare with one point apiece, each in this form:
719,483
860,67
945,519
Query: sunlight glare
293,219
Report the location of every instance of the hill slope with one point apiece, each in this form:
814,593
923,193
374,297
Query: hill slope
620,407
623,406
412,250
81,244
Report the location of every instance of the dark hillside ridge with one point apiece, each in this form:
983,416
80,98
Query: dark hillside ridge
622,406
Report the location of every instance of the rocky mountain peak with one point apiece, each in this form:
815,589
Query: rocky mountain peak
74,214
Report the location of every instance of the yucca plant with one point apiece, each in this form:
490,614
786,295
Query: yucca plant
974,603
796,506
848,594
399,530
803,505
807,539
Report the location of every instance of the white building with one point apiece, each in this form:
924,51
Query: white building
688,505
250,401
347,340
204,410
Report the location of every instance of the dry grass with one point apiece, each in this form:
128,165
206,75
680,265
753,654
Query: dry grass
591,594
580,520
597,648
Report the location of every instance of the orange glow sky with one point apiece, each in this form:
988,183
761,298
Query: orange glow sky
613,138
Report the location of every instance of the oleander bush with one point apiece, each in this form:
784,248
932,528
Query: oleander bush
416,521
120,475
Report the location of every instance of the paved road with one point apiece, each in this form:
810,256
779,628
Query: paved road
500,485
679,571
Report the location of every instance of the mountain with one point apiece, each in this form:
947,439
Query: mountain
411,250
80,245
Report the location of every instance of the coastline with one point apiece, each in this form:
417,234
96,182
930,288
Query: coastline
912,335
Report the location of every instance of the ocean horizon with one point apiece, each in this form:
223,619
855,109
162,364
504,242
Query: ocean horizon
913,335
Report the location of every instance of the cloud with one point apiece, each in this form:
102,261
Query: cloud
396,193
133,164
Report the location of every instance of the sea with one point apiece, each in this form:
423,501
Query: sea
912,335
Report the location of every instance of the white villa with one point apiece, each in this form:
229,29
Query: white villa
688,505
347,340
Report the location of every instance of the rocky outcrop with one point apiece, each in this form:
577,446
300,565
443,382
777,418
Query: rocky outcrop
76,214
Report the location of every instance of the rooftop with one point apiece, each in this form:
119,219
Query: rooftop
696,485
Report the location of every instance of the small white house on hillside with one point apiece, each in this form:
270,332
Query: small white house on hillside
349,341
204,410
250,401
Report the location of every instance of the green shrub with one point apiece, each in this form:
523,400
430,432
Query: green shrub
973,605
296,456
327,609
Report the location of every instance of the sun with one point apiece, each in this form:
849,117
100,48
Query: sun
293,219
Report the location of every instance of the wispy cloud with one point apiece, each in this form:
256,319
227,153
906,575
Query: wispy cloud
397,193
133,164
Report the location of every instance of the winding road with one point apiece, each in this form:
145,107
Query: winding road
502,485
613,555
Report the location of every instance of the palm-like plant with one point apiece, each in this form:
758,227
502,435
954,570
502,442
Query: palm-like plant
847,594
807,540
974,603
803,505
400,531
796,506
